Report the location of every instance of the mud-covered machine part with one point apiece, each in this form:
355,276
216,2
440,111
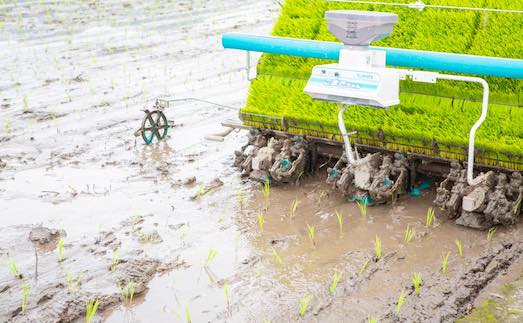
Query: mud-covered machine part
383,175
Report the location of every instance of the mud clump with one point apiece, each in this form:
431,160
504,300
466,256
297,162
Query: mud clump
59,290
446,298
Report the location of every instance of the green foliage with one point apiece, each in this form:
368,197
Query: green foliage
127,292
261,221
490,233
444,263
26,292
304,304
442,112
90,309
377,247
460,247
226,291
277,257
429,220
416,282
340,218
336,277
115,259
362,206
210,257
60,250
13,268
401,300
311,232
409,234
293,208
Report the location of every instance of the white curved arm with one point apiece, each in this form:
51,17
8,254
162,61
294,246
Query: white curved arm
484,111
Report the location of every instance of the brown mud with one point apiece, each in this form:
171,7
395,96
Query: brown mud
74,79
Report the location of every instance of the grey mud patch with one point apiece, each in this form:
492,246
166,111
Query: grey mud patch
93,268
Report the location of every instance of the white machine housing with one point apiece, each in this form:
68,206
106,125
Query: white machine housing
360,77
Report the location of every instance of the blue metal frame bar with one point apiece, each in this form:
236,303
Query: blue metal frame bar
446,62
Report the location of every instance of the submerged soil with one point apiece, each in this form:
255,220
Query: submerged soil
74,79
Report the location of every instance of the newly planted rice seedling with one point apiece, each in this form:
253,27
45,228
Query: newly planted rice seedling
90,309
429,221
362,206
416,282
26,292
340,218
226,291
277,257
266,191
409,234
304,304
377,247
72,283
11,265
210,257
401,300
115,259
460,247
127,292
444,263
490,233
364,266
187,315
261,221
60,250
311,232
336,277
293,208
372,319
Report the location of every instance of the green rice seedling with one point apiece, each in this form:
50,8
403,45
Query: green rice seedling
336,277
90,309
13,268
26,292
210,257
490,233
73,283
322,195
416,282
293,208
429,219
201,191
372,319
311,232
340,218
460,247
517,206
444,263
364,266
266,191
115,259
25,103
409,234
60,250
363,208
401,300
226,291
187,315
277,257
377,247
304,304
127,292
261,221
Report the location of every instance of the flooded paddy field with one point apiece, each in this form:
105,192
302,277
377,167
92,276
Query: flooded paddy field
90,213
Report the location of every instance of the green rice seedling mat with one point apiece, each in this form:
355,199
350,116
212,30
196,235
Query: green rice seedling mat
432,119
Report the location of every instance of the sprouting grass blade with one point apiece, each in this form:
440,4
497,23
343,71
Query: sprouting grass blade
401,300
336,277
460,247
490,233
277,257
444,263
304,304
429,220
363,208
377,247
211,254
261,221
90,309
416,282
340,218
311,232
409,234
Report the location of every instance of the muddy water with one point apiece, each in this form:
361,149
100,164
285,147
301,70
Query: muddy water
74,79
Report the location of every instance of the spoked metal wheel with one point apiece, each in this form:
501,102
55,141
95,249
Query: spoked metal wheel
154,124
